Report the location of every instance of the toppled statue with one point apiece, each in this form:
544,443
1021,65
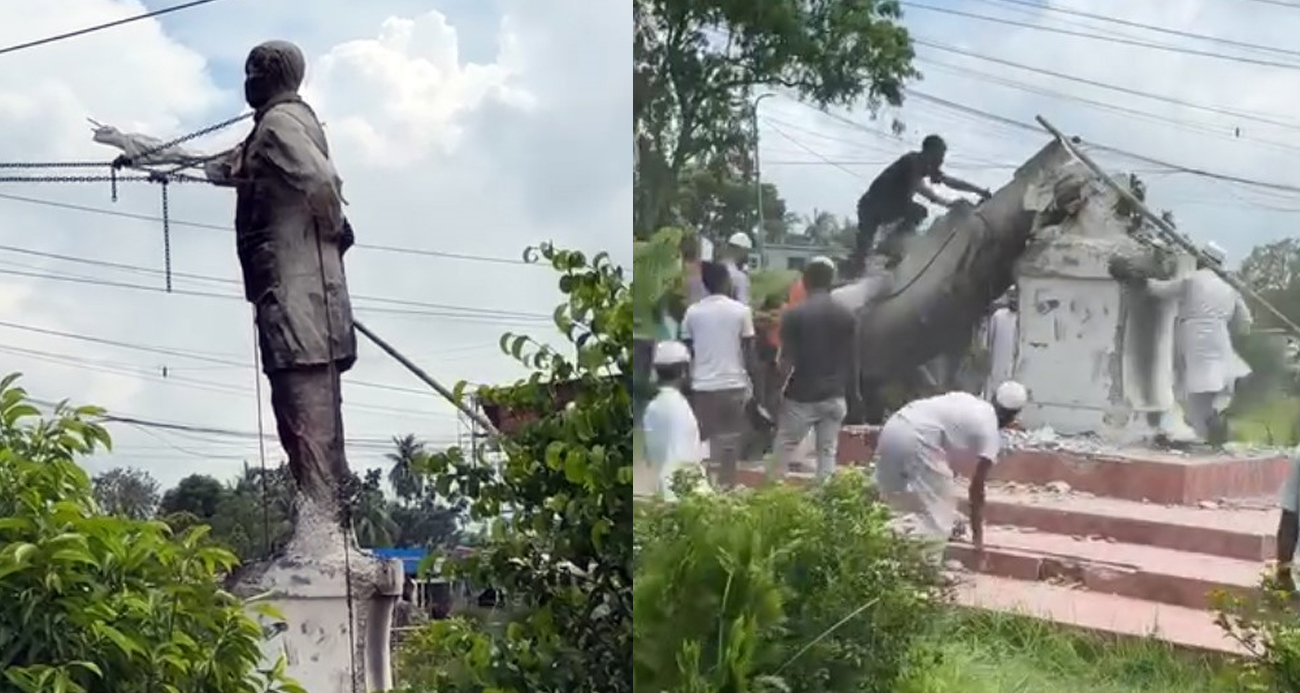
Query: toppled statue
290,236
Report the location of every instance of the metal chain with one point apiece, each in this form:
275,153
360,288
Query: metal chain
74,179
130,161
53,164
167,237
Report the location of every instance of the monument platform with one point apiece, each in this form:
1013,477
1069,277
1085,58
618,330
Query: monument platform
1139,474
1121,541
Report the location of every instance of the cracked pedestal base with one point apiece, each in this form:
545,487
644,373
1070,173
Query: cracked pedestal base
308,583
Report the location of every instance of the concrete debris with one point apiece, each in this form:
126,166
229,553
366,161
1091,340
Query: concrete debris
1046,438
1058,487
1208,505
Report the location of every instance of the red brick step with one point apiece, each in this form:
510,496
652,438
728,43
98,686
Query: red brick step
1103,613
1244,533
1178,578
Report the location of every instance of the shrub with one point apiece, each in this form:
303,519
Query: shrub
1267,626
106,604
778,589
559,507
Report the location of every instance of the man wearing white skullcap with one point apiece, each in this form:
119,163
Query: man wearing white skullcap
1209,310
915,452
738,248
672,434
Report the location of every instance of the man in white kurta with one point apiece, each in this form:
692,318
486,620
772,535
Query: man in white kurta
1002,336
917,447
672,434
1208,311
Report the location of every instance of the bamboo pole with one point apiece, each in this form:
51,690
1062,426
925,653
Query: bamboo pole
1167,231
428,380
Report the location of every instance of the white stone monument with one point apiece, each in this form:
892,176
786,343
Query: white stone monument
1097,357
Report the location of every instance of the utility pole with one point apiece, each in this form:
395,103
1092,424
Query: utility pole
759,232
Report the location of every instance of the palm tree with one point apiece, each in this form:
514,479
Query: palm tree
371,520
407,482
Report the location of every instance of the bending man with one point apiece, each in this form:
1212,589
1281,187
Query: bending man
918,445
889,199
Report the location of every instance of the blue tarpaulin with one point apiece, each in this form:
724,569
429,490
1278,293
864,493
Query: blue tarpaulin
410,558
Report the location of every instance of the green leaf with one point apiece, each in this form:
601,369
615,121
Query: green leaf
575,467
517,346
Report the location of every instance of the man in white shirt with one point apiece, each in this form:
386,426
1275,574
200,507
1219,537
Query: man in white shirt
672,435
1001,341
737,259
1208,309
719,330
917,446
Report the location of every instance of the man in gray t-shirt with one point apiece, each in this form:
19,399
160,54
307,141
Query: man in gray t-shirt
817,353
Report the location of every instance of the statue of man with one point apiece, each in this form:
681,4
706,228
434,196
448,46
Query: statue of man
290,234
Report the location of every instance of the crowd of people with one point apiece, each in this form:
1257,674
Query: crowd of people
712,382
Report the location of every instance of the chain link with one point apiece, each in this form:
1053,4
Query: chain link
167,237
11,165
130,161
74,179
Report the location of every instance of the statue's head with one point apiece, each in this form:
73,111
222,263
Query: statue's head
273,68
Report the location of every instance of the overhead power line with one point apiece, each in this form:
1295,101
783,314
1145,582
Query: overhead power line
217,227
227,281
472,316
1103,37
1040,7
1179,168
101,27
1244,115
203,357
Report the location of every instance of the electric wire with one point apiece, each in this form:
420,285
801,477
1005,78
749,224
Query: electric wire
1267,119
101,27
217,227
1053,9
1103,37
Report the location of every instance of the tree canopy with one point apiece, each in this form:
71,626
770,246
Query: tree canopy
697,63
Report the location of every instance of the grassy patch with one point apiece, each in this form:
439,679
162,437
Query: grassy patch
1273,421
987,653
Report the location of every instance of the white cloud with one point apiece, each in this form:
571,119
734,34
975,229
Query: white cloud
437,152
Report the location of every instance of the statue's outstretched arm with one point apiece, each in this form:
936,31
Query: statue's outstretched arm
221,168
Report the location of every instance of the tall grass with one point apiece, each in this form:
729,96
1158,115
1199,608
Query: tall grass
992,653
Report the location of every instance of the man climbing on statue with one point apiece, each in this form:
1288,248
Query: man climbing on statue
889,199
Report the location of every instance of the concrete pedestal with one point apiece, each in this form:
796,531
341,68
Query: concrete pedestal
336,604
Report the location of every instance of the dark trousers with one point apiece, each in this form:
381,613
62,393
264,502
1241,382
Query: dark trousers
872,215
721,417
307,404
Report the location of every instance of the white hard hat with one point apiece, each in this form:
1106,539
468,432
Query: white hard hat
1011,396
1214,251
822,260
740,239
671,353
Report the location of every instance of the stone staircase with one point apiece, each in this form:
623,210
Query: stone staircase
1126,543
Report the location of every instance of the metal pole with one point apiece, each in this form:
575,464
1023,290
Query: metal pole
428,380
760,232
1167,231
